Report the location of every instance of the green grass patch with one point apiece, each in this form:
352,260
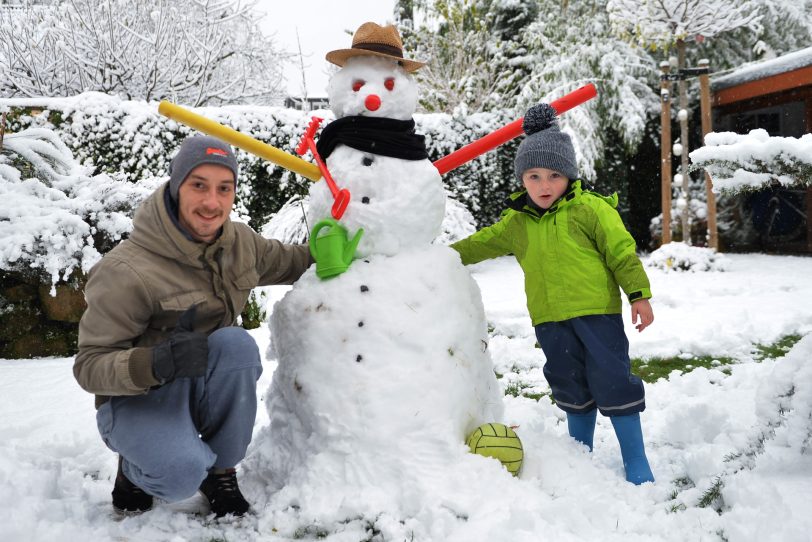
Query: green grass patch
518,388
777,349
651,370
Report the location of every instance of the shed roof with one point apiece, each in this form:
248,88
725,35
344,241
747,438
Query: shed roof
762,69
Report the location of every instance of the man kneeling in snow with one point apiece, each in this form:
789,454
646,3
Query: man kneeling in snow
175,380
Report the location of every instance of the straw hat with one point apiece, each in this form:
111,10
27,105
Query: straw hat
374,40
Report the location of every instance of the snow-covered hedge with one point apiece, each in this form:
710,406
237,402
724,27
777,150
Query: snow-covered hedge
754,161
56,216
130,140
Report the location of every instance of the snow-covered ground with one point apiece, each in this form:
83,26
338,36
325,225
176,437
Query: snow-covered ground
747,432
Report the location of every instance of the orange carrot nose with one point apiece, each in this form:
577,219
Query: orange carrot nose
372,102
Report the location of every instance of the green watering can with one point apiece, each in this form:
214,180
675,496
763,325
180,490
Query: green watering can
332,250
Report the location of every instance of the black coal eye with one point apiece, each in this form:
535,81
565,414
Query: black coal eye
365,200
367,161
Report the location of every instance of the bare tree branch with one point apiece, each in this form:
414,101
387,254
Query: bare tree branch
194,51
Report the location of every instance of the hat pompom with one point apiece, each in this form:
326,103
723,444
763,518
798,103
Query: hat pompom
538,118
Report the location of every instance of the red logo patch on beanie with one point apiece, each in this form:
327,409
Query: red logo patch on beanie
214,150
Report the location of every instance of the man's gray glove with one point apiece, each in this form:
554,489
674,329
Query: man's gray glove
185,354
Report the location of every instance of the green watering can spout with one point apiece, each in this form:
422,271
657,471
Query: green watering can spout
349,252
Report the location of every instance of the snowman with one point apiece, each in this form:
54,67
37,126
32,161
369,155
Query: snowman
384,369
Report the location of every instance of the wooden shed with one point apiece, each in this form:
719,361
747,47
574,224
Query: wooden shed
775,95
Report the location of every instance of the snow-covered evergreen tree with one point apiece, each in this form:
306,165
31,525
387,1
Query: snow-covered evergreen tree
662,23
192,51
471,48
570,45
785,26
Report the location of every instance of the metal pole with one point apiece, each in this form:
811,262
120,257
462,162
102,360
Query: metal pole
665,150
704,97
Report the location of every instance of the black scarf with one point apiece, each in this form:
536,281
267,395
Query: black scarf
387,137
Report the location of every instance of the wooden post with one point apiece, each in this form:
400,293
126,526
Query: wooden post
808,129
665,150
809,219
705,107
2,130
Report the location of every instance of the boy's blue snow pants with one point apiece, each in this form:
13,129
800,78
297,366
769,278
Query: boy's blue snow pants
172,435
588,365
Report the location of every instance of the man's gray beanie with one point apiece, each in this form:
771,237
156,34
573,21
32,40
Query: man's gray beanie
195,151
545,145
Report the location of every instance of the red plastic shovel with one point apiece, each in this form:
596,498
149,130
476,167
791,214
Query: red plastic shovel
341,197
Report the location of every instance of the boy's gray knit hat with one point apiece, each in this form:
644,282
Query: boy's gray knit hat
545,145
195,151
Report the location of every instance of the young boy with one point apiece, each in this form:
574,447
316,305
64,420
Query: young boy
575,252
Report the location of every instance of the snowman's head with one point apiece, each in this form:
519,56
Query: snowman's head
372,86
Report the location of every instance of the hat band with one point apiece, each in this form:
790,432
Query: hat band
380,48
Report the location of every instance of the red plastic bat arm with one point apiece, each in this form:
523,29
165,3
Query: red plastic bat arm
510,131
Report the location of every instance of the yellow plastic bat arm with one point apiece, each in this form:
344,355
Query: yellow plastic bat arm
241,140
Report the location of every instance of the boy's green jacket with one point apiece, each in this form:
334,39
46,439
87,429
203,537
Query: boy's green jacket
574,256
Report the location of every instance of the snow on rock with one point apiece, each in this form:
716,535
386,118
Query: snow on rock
679,256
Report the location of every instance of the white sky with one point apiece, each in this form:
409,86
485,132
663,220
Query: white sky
321,25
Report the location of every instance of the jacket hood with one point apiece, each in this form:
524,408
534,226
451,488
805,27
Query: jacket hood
154,230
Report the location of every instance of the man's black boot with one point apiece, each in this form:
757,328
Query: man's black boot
223,493
128,497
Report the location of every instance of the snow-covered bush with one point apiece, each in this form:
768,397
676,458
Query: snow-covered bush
289,224
130,140
682,257
457,224
56,217
738,162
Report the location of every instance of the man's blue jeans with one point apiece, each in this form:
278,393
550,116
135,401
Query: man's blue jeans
170,437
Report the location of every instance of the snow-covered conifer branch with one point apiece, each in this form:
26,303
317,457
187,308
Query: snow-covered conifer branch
662,22
738,162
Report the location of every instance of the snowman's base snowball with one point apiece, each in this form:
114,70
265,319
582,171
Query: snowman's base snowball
383,372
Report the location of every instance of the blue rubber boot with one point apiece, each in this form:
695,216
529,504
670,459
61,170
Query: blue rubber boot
582,426
630,436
